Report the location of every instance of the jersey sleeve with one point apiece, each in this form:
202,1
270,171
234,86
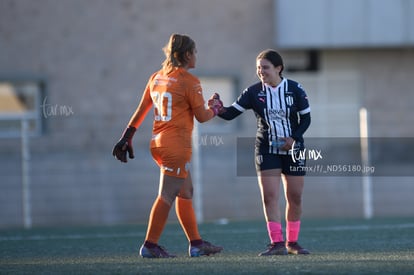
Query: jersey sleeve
302,100
243,102
303,109
149,85
195,93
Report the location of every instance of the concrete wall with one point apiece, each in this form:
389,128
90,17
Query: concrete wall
96,58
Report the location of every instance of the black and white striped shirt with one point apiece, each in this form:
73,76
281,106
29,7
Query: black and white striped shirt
281,111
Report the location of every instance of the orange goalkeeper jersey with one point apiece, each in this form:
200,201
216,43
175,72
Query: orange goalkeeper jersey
174,97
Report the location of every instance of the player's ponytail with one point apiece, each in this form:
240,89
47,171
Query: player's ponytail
175,52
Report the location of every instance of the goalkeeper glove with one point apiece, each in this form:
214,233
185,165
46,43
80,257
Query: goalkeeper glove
124,145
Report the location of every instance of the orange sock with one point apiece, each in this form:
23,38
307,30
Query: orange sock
157,220
186,216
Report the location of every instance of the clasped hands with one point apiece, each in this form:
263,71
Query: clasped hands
215,104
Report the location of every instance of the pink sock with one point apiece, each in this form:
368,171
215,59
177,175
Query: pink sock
275,231
292,231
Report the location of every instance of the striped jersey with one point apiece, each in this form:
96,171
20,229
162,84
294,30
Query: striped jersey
278,110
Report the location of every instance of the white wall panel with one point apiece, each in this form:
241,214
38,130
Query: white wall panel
343,23
300,21
386,22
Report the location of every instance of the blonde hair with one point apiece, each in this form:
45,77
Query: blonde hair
175,51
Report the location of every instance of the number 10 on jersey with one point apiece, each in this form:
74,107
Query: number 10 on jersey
162,105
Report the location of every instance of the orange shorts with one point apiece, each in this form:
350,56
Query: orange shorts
173,162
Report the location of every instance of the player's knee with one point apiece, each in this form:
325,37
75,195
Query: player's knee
270,199
294,199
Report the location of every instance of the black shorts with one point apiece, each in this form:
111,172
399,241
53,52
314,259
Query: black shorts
289,165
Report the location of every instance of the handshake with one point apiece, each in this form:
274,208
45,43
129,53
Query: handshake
215,104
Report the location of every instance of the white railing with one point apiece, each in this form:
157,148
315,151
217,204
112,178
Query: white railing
24,119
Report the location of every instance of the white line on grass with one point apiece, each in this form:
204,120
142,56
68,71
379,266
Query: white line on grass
363,227
179,232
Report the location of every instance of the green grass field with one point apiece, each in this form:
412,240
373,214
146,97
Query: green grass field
377,246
